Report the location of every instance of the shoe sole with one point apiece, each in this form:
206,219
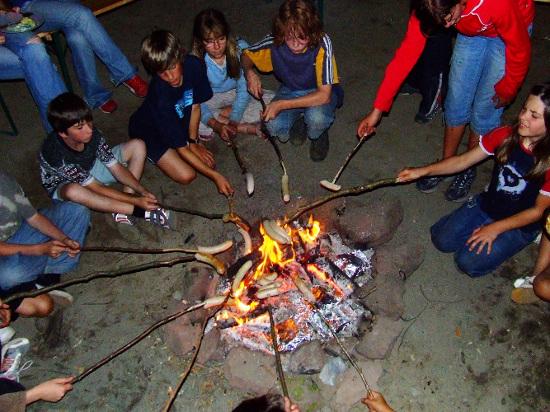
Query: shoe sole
134,92
524,296
7,335
61,298
14,344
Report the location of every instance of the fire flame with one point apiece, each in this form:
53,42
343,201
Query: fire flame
272,256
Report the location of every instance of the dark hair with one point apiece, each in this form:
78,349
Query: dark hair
541,150
66,110
160,51
212,22
431,13
266,403
299,17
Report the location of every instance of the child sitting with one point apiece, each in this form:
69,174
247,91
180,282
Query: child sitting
36,247
300,55
77,164
168,120
231,110
504,219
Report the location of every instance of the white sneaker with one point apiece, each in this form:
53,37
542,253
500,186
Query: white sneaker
12,354
61,298
6,334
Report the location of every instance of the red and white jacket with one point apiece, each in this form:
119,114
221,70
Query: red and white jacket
507,19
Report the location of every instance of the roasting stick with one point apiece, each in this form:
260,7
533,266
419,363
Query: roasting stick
222,247
310,299
285,189
135,340
332,185
249,178
276,349
102,274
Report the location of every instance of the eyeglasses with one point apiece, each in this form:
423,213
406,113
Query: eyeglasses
218,41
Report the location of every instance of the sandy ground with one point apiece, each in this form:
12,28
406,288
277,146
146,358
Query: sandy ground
465,345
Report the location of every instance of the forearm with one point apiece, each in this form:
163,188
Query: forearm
113,194
46,227
125,177
518,220
195,162
10,249
319,97
194,121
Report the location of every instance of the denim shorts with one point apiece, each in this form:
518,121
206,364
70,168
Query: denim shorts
99,171
477,64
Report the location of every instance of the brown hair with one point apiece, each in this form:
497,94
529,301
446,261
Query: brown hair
541,150
160,51
66,110
211,22
300,18
432,13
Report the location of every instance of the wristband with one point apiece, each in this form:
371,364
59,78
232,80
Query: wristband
192,141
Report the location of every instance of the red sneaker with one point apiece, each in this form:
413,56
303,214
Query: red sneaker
137,85
109,106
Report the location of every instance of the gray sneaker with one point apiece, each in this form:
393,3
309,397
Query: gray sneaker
429,184
459,189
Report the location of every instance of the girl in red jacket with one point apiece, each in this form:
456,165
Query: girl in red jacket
490,60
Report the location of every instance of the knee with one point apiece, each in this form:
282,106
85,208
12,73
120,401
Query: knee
134,150
185,178
73,192
39,306
318,119
541,286
470,264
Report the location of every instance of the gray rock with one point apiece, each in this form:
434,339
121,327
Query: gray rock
307,359
365,225
181,339
398,260
331,370
250,370
379,343
209,346
350,385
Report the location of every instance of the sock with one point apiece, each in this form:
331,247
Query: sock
138,212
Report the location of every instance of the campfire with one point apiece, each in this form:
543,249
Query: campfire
302,273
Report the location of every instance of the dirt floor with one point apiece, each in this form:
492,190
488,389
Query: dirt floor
465,346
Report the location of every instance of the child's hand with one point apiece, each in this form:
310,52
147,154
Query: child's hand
51,391
53,248
368,124
376,403
410,173
254,84
272,110
146,203
204,154
73,245
225,130
483,235
290,407
223,185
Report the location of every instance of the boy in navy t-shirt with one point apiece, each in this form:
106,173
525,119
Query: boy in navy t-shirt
168,120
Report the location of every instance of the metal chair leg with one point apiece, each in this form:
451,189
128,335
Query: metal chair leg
14,131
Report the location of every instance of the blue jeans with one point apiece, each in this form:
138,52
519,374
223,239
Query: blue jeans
451,232
71,218
32,63
317,118
86,38
476,66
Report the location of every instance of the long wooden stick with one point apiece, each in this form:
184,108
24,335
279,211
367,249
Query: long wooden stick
102,274
354,191
235,148
135,340
276,350
175,392
350,155
271,138
357,368
210,216
134,250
